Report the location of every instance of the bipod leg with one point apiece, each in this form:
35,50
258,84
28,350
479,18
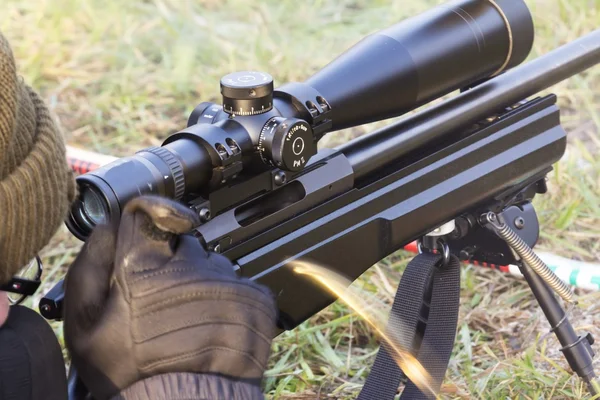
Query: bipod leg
576,349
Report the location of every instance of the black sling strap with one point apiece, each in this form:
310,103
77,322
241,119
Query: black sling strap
438,339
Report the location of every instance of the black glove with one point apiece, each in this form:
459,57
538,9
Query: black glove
147,301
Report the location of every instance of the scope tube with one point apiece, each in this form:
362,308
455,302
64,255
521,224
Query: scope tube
373,151
425,57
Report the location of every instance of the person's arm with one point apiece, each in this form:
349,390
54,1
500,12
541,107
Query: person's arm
175,386
3,308
149,314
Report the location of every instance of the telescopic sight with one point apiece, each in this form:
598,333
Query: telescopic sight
454,46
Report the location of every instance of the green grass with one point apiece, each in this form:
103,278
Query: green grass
123,74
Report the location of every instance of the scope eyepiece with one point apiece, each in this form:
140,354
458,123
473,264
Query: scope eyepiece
95,205
94,209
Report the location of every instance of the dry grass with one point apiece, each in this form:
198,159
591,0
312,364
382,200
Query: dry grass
122,75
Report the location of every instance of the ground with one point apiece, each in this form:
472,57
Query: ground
122,74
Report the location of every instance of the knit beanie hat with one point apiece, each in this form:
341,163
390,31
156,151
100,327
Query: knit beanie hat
36,185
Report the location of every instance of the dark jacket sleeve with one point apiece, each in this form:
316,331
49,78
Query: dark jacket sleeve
188,386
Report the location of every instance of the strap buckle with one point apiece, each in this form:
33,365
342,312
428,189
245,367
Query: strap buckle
440,247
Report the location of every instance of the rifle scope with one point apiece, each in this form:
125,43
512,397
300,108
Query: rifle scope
454,46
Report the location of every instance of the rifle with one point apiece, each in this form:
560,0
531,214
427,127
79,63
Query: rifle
459,176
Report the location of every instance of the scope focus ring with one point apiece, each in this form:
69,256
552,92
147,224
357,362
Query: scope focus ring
174,166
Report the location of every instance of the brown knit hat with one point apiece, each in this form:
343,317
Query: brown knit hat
36,186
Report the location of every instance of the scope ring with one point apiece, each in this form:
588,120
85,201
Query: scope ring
440,243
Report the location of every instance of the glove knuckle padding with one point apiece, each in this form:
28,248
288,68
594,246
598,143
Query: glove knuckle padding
233,317
173,307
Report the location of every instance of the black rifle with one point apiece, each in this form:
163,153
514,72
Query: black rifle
458,176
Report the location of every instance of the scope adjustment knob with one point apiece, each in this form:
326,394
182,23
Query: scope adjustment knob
286,143
247,93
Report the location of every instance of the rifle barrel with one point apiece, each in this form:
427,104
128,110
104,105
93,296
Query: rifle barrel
382,147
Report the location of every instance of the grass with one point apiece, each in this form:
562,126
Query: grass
122,74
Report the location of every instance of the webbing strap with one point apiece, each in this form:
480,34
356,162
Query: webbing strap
438,339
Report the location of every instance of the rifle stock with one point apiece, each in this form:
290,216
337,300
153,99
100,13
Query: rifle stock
359,203
352,231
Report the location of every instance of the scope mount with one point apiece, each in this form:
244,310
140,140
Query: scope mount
271,129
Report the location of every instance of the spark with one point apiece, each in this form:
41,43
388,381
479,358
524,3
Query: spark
338,285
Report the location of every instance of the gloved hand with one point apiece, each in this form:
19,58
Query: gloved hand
145,301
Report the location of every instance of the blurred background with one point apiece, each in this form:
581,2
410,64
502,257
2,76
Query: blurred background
121,75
